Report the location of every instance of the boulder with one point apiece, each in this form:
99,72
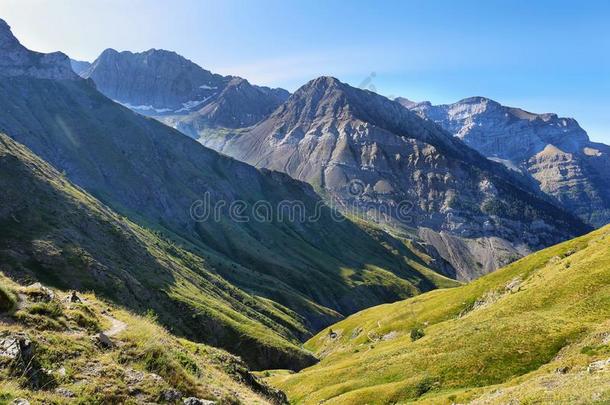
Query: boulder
38,292
14,347
17,352
73,297
171,395
562,370
598,365
103,341
64,392
515,285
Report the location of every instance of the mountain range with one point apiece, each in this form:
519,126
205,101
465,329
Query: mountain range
554,151
331,135
312,272
164,230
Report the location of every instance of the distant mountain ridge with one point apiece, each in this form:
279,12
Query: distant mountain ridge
476,213
167,86
555,151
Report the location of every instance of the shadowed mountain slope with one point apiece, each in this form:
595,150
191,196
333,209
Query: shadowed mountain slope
55,232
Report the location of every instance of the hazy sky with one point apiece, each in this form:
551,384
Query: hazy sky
544,56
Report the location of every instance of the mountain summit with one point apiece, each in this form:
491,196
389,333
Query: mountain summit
161,79
16,60
477,214
171,88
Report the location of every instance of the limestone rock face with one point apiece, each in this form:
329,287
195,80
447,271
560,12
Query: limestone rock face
167,86
16,60
556,152
373,157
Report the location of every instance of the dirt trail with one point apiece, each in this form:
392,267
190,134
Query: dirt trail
116,327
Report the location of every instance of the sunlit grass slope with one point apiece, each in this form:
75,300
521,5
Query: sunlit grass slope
537,330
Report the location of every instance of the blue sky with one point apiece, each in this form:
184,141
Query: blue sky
544,56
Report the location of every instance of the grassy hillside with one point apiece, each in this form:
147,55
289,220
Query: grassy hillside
52,231
536,331
51,352
321,270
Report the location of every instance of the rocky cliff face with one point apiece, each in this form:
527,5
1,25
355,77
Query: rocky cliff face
554,151
16,60
178,92
369,154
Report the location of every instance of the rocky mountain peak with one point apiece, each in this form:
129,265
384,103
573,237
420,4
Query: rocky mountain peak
318,100
326,102
16,60
322,82
319,89
477,100
109,52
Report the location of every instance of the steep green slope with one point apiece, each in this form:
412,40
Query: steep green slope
57,233
322,269
536,330
52,351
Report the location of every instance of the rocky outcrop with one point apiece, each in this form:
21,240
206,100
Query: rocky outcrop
375,159
18,355
178,92
16,60
554,151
